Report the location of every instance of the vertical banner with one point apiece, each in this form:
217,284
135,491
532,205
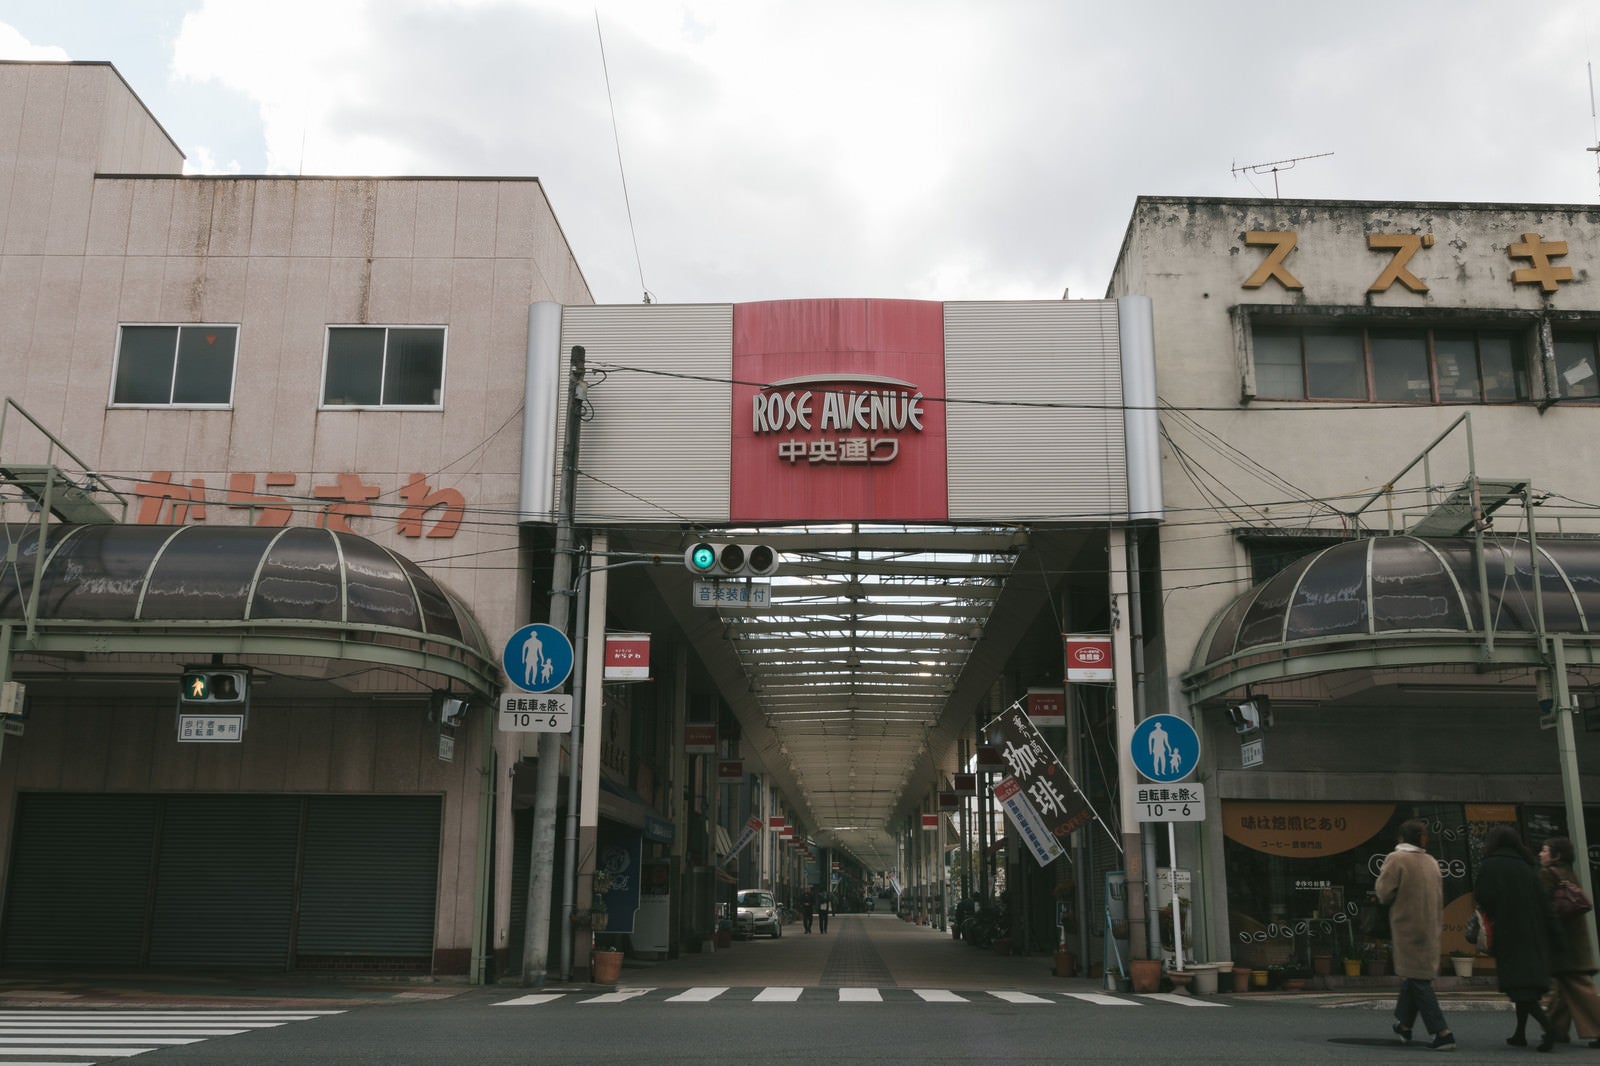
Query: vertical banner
627,657
1042,783
618,852
1088,656
751,828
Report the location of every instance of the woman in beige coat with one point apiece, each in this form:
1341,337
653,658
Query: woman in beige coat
1411,886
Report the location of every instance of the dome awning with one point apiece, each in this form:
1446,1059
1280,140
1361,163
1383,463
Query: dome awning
1402,600
187,591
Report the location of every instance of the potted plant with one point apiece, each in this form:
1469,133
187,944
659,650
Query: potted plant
1352,961
1378,960
1462,961
605,962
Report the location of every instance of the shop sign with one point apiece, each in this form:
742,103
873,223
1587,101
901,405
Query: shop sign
751,828
1025,818
965,784
1089,657
775,821
428,512
1304,830
1047,707
949,801
627,657
930,823
1533,250
700,738
730,771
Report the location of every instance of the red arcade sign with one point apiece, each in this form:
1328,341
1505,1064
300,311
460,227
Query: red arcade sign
838,411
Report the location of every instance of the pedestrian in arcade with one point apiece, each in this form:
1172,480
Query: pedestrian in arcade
808,906
824,905
1410,886
1574,1000
1508,892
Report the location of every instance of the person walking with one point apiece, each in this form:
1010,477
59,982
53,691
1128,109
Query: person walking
824,905
1510,896
1410,886
1574,1000
808,905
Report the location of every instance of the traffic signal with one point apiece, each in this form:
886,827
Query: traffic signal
214,686
707,559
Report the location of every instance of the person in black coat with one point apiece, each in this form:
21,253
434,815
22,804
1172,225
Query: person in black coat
1508,892
808,905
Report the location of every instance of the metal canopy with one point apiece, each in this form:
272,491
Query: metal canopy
171,593
880,648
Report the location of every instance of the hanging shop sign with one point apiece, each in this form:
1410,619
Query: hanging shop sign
776,821
1088,657
730,771
1047,707
949,801
627,657
930,823
700,738
965,784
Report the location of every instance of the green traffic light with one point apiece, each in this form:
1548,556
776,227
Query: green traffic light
704,557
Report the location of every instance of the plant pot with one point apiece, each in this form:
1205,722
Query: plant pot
1241,979
1294,984
1462,965
724,938
1378,968
1205,980
1146,975
1181,980
1352,967
1258,979
1322,965
605,967
1066,964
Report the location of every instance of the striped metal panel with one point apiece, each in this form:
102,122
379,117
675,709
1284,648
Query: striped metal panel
658,448
79,883
225,881
370,879
1062,461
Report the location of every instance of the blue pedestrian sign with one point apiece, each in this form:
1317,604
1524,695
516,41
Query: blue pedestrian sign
537,658
1165,748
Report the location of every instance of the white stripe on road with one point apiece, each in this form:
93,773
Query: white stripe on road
1019,997
88,1052
860,995
778,995
197,1015
1102,1000
122,1038
533,1000
621,996
1183,1001
938,995
140,1031
696,995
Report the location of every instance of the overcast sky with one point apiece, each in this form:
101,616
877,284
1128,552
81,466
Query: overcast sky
921,149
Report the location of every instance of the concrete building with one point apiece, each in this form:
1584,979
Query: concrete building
292,411
1380,517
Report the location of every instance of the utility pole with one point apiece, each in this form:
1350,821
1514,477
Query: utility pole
541,856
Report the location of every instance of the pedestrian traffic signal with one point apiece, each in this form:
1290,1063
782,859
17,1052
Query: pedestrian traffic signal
705,559
214,686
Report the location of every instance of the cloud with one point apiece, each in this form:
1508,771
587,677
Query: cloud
13,45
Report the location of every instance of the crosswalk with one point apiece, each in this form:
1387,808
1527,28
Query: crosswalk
789,994
88,1035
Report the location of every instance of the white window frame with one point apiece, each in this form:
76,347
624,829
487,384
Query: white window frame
233,375
327,339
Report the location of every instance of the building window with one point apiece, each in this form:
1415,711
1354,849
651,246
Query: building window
1576,366
175,366
384,366
1401,365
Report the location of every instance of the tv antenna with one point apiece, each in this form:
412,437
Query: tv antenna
1274,167
1595,125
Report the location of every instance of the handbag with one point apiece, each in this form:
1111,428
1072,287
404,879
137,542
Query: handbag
1484,939
1569,900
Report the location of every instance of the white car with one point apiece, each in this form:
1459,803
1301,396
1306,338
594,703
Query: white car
758,913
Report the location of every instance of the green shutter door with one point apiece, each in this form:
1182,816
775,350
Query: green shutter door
225,887
79,885
369,881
